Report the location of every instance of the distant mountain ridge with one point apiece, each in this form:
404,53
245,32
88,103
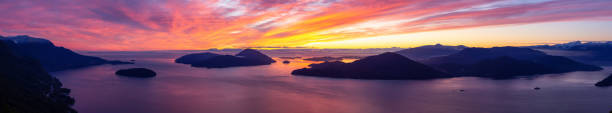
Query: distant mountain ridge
503,62
51,57
578,46
473,55
429,51
599,53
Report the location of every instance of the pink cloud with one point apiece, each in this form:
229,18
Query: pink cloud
159,24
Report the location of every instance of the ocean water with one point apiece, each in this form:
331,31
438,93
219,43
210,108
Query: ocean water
179,88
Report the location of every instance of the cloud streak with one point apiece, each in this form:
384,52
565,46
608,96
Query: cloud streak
202,24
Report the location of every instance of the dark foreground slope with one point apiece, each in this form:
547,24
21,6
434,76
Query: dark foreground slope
51,57
503,62
247,57
606,82
389,66
25,87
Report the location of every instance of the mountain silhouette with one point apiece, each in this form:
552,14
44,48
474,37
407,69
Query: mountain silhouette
27,88
473,55
51,57
255,56
599,53
504,62
429,51
247,57
388,65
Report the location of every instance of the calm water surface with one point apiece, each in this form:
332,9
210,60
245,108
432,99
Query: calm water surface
179,88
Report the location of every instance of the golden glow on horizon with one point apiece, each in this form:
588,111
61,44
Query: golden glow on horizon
491,36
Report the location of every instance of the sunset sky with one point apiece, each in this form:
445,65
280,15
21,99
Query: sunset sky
202,24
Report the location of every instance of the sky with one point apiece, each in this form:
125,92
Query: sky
132,25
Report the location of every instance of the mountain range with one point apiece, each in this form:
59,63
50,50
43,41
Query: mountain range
51,57
27,88
599,53
503,62
429,51
496,62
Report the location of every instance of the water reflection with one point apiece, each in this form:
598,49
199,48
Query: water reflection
179,88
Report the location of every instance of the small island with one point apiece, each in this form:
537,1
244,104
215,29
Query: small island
607,82
247,57
136,72
196,57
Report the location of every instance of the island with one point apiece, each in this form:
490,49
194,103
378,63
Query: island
505,62
25,87
496,63
386,66
136,72
195,58
51,57
607,82
247,57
